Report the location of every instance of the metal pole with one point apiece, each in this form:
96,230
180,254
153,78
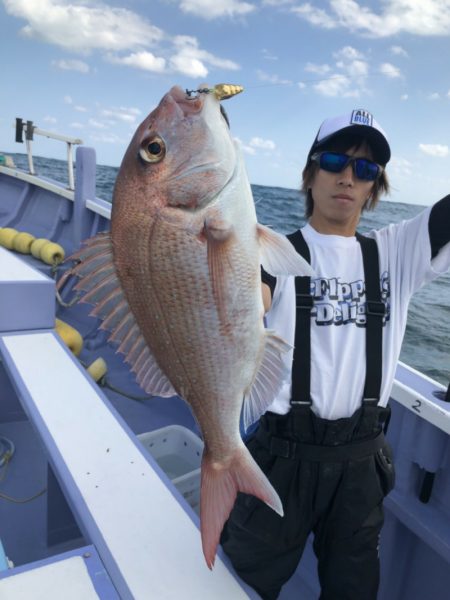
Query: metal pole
70,165
30,157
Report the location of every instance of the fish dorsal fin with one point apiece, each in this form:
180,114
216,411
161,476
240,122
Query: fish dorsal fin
278,255
269,379
100,286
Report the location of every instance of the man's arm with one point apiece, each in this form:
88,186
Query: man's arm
267,297
439,225
268,283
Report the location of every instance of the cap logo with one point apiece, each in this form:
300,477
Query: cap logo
361,117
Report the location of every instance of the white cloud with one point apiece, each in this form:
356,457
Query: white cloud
108,117
268,55
399,51
107,138
401,165
68,100
277,2
120,35
390,70
315,16
404,97
438,150
131,110
213,9
348,53
51,120
190,59
317,69
71,65
80,108
434,96
355,68
257,142
348,76
338,85
80,27
393,17
274,79
140,60
245,147
97,124
126,115
188,65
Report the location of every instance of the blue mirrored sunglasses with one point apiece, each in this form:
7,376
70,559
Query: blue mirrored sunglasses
335,162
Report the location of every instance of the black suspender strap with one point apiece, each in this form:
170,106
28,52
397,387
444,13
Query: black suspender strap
375,312
301,366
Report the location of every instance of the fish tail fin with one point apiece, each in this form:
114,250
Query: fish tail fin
220,484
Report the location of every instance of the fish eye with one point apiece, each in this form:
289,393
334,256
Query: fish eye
153,150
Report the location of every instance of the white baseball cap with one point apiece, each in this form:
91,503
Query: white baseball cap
357,121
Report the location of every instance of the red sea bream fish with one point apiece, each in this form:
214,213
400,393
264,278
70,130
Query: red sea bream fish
177,282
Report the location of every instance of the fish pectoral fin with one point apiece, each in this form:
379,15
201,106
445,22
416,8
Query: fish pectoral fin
219,234
217,229
220,484
101,287
268,380
278,255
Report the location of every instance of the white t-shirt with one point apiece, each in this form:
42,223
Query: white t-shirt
338,357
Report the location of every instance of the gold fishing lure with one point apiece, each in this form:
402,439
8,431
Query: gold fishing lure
222,91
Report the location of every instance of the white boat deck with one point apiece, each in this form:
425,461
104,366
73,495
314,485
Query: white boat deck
47,581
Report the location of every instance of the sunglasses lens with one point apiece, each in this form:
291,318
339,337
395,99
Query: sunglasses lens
366,169
333,162
336,162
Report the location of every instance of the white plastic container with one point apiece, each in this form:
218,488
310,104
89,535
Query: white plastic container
178,451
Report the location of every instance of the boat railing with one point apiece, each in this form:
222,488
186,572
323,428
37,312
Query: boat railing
30,130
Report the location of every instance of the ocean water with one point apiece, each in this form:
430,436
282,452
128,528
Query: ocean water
426,345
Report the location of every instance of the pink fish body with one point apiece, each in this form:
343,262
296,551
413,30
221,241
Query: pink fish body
182,295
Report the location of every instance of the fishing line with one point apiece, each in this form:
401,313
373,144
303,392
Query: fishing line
105,383
22,501
4,469
317,80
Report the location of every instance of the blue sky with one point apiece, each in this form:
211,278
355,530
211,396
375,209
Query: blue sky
94,70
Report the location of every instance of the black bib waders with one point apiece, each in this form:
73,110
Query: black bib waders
331,475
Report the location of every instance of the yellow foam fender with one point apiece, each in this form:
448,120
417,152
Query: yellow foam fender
7,235
97,369
70,336
52,253
22,242
36,246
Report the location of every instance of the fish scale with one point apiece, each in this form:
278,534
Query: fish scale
196,338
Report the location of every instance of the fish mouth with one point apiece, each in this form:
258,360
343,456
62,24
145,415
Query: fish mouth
196,169
186,103
206,200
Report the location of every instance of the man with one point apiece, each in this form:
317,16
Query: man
321,442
